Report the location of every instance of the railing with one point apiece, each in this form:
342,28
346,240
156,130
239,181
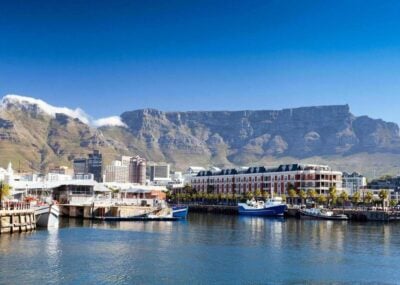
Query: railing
14,206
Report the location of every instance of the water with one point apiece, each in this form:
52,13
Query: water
206,249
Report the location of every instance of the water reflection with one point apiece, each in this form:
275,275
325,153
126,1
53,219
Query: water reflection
205,249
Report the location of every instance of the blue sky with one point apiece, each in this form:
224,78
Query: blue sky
111,56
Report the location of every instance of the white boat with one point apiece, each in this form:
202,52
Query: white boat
47,215
322,214
272,207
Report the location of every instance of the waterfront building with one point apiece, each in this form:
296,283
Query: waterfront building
137,170
159,172
80,166
272,180
116,172
65,170
353,182
190,173
95,165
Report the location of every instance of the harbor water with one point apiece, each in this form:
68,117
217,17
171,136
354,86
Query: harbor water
205,249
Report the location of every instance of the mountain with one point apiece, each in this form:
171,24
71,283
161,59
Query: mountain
39,136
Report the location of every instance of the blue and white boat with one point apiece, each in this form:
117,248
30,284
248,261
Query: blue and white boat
180,211
272,207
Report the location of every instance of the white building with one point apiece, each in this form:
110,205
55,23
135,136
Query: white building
278,180
353,182
159,172
117,171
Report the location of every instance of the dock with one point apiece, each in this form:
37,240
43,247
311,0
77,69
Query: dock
16,219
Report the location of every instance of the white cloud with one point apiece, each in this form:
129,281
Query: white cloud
109,121
77,113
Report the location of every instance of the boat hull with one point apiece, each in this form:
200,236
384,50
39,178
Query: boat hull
309,216
47,216
180,211
271,211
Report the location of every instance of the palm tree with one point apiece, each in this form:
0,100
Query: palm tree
312,194
257,194
383,195
4,192
264,194
292,195
356,198
321,199
249,195
368,197
332,195
344,197
303,196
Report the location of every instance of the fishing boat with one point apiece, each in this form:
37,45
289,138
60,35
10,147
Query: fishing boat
47,215
272,207
180,211
321,214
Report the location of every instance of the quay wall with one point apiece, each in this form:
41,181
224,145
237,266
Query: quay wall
15,221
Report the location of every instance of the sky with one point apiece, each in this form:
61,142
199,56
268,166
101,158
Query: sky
108,57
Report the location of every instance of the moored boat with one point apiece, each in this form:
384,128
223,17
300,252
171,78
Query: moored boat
47,215
180,211
322,214
272,207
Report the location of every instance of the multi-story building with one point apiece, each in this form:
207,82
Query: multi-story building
137,170
61,170
116,172
80,166
278,180
353,182
95,165
159,172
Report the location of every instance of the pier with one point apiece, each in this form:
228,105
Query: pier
16,218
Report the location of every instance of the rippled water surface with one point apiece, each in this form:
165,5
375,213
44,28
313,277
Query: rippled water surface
204,249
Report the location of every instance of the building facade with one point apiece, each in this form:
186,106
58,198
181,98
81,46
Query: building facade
95,165
159,172
272,180
116,172
353,182
137,170
80,166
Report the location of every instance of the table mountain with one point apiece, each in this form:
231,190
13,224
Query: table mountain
41,135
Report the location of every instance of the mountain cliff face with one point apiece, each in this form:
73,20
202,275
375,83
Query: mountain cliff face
243,137
39,136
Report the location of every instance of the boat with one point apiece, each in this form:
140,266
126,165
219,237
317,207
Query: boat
47,215
272,207
322,214
180,211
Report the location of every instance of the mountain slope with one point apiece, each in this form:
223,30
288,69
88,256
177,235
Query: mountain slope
37,136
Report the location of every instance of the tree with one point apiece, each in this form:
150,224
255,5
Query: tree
257,194
356,198
4,191
312,194
332,195
344,197
393,203
303,196
292,195
383,195
249,195
368,197
321,199
264,194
